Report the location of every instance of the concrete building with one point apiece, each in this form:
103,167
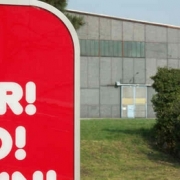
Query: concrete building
127,52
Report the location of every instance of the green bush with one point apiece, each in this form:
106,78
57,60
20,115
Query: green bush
166,104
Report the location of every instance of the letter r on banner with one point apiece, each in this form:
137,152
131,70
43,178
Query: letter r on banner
12,99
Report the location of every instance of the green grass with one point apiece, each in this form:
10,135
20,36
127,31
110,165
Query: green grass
121,150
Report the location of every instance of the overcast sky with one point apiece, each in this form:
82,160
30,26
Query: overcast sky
159,11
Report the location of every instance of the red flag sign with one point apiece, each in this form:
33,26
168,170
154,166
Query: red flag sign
39,95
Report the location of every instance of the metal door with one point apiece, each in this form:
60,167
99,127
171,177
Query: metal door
133,101
130,111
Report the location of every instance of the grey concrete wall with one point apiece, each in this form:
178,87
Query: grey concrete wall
116,30
133,31
156,34
133,70
99,98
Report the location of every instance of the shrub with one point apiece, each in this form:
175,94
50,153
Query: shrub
166,104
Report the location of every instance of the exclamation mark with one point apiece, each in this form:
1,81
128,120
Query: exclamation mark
30,98
50,175
20,141
4,176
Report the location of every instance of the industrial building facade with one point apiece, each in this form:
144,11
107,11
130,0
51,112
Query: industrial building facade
127,52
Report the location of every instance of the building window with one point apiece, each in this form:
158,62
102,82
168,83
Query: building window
89,47
133,49
109,48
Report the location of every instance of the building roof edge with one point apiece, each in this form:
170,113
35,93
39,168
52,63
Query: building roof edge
125,19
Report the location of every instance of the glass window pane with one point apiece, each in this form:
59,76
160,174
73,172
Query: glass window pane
92,48
101,48
142,49
111,48
117,49
134,49
125,49
119,46
88,47
96,48
138,49
140,97
106,50
83,47
129,49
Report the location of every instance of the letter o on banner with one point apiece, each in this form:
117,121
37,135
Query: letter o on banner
6,145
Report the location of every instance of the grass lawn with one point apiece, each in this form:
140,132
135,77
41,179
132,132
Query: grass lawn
120,150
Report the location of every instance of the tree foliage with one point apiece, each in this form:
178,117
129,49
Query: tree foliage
76,21
166,104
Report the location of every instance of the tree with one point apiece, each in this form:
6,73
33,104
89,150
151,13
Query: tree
166,104
76,21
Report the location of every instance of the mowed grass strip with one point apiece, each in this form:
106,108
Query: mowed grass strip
121,150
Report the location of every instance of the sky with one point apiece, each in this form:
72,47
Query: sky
158,11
